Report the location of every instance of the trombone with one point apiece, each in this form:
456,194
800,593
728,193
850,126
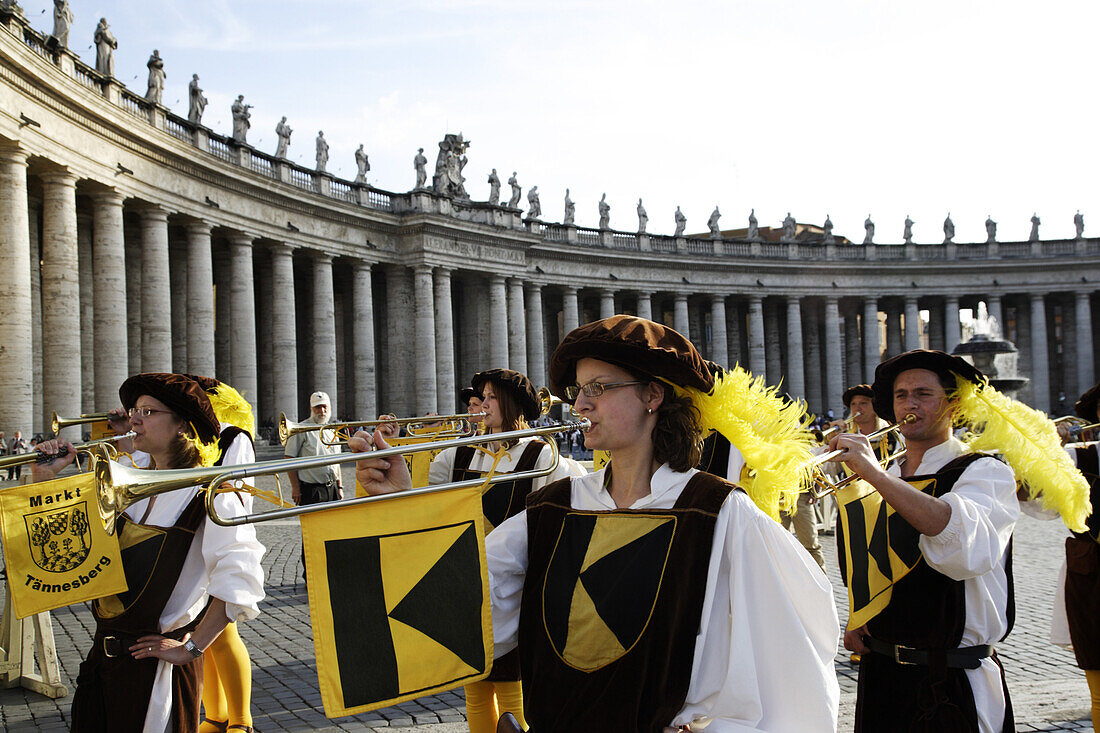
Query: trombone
58,423
1077,425
824,436
822,486
118,486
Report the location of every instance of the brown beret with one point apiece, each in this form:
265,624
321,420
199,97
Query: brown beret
208,384
863,390
941,363
180,393
633,343
466,394
1086,406
517,385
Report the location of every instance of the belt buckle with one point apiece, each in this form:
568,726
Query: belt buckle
898,649
107,646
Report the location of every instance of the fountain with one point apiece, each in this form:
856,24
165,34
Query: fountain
994,356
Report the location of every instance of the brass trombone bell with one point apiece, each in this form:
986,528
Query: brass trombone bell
118,486
58,423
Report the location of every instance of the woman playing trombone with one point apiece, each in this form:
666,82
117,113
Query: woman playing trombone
144,669
649,594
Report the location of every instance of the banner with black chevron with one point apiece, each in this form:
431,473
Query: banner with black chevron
398,599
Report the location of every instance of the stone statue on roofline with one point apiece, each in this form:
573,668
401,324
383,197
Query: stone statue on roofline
105,45
754,227
990,230
570,210
907,232
712,223
242,120
449,164
421,165
534,206
789,229
62,22
513,201
282,133
494,188
362,164
605,212
322,151
196,101
1079,224
948,230
869,229
155,89
828,230
1035,222
643,218
681,222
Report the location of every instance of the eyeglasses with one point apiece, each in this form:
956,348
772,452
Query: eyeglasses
143,412
595,389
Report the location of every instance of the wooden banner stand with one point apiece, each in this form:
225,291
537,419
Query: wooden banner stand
19,640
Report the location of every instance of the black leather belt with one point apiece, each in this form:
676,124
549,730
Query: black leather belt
967,657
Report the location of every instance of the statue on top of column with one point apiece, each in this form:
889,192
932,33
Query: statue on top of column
643,218
1079,224
494,188
990,230
869,228
907,233
681,222
282,132
828,229
322,151
62,22
948,229
570,210
421,165
754,227
712,223
241,120
789,229
155,90
1035,222
362,164
105,45
605,212
534,206
513,201
196,101
448,179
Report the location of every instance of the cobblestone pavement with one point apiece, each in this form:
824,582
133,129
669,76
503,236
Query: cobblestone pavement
1048,691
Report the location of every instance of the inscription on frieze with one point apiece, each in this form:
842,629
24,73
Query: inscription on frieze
473,251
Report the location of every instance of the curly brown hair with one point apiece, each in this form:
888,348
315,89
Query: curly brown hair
677,436
183,452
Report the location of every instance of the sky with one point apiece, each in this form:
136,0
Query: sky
845,108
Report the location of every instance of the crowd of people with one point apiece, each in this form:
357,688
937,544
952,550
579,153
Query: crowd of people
664,590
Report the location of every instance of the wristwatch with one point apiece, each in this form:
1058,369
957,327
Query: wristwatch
193,650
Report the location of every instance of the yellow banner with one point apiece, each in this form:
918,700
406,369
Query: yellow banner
880,548
56,548
398,599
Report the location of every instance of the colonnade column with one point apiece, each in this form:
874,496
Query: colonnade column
498,323
950,323
395,369
200,299
34,219
757,361
607,303
773,349
178,276
87,312
812,349
645,305
536,335
853,355
936,326
284,335
734,324
242,327
324,330
719,344
680,320
1085,371
366,397
15,294
424,388
912,323
894,345
1040,369
109,298
60,298
570,309
223,315
446,392
517,327
796,368
156,293
834,368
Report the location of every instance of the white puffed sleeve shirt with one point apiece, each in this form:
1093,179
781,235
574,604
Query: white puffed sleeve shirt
763,658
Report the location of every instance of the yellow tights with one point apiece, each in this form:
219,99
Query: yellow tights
487,701
227,682
1092,676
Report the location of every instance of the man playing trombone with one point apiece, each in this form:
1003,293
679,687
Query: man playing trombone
926,632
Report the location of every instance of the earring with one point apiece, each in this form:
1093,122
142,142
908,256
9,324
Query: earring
650,410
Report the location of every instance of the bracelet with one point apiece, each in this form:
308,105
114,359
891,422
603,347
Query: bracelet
192,649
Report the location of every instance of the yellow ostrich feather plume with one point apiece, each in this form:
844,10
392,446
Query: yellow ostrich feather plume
768,431
208,452
1029,442
230,407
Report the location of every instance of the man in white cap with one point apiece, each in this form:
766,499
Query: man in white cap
314,485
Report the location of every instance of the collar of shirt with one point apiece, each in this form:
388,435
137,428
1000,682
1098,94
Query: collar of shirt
665,488
936,457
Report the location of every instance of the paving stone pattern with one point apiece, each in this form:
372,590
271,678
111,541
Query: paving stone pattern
1049,692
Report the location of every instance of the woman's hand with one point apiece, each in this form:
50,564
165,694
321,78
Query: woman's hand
155,646
49,469
378,475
